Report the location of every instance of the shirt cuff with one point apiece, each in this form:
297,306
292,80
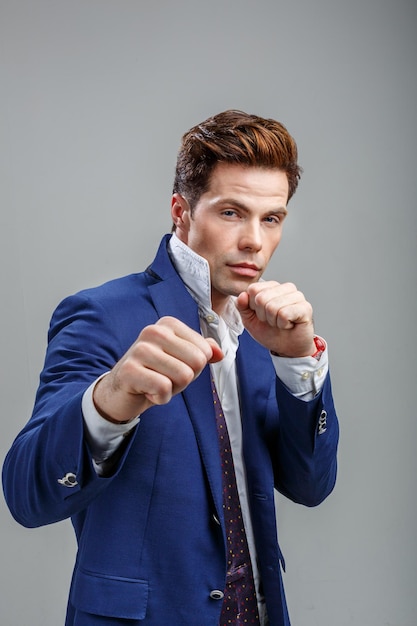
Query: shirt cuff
303,376
103,436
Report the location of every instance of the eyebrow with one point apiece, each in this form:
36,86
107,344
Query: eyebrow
232,201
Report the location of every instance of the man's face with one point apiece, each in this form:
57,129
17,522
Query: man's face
236,225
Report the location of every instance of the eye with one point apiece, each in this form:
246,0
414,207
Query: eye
229,212
273,219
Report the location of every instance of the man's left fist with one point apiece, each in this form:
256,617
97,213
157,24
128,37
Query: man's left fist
278,317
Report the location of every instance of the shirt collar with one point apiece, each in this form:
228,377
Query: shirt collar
194,271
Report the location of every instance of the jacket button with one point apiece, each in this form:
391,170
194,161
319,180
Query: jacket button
216,594
322,427
69,480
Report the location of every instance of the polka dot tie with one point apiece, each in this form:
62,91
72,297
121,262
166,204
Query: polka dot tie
239,605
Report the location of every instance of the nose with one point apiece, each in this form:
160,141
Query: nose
251,236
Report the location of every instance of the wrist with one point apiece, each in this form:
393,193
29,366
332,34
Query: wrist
317,347
98,392
112,420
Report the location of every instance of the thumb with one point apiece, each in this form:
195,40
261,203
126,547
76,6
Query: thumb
217,351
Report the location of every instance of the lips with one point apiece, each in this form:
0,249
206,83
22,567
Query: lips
245,269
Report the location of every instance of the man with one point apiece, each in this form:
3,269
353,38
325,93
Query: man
172,402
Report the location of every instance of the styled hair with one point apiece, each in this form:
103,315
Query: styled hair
238,138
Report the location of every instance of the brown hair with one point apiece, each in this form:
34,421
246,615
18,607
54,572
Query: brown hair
233,137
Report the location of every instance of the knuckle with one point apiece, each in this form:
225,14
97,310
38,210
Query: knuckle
301,296
142,351
271,309
166,320
184,377
260,299
199,361
148,333
164,388
160,390
252,288
128,368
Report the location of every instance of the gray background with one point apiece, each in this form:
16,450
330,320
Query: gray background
95,95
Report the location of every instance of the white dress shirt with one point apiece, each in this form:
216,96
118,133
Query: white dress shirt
303,377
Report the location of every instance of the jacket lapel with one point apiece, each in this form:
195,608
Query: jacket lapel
171,298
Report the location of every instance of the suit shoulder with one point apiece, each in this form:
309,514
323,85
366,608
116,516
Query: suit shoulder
122,289
116,303
116,297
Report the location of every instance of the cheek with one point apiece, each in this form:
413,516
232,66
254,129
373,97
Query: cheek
213,241
271,247
196,238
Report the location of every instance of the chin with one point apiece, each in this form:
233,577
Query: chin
237,289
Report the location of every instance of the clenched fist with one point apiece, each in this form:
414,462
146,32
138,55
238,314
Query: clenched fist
279,317
164,360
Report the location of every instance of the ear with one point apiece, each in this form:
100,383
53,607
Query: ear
181,215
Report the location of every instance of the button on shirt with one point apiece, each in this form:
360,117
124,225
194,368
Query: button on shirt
303,377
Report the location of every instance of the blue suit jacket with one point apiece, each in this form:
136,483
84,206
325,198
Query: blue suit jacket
151,548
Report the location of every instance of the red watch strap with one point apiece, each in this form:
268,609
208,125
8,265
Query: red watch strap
320,347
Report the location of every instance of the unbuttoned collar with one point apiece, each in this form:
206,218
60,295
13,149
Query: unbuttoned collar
194,271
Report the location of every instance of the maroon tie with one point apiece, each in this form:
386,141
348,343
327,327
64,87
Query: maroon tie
239,604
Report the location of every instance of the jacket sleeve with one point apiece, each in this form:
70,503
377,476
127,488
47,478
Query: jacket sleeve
305,446
48,473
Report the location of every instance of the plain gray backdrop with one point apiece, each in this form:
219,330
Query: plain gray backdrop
95,95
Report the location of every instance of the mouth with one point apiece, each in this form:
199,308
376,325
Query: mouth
245,269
